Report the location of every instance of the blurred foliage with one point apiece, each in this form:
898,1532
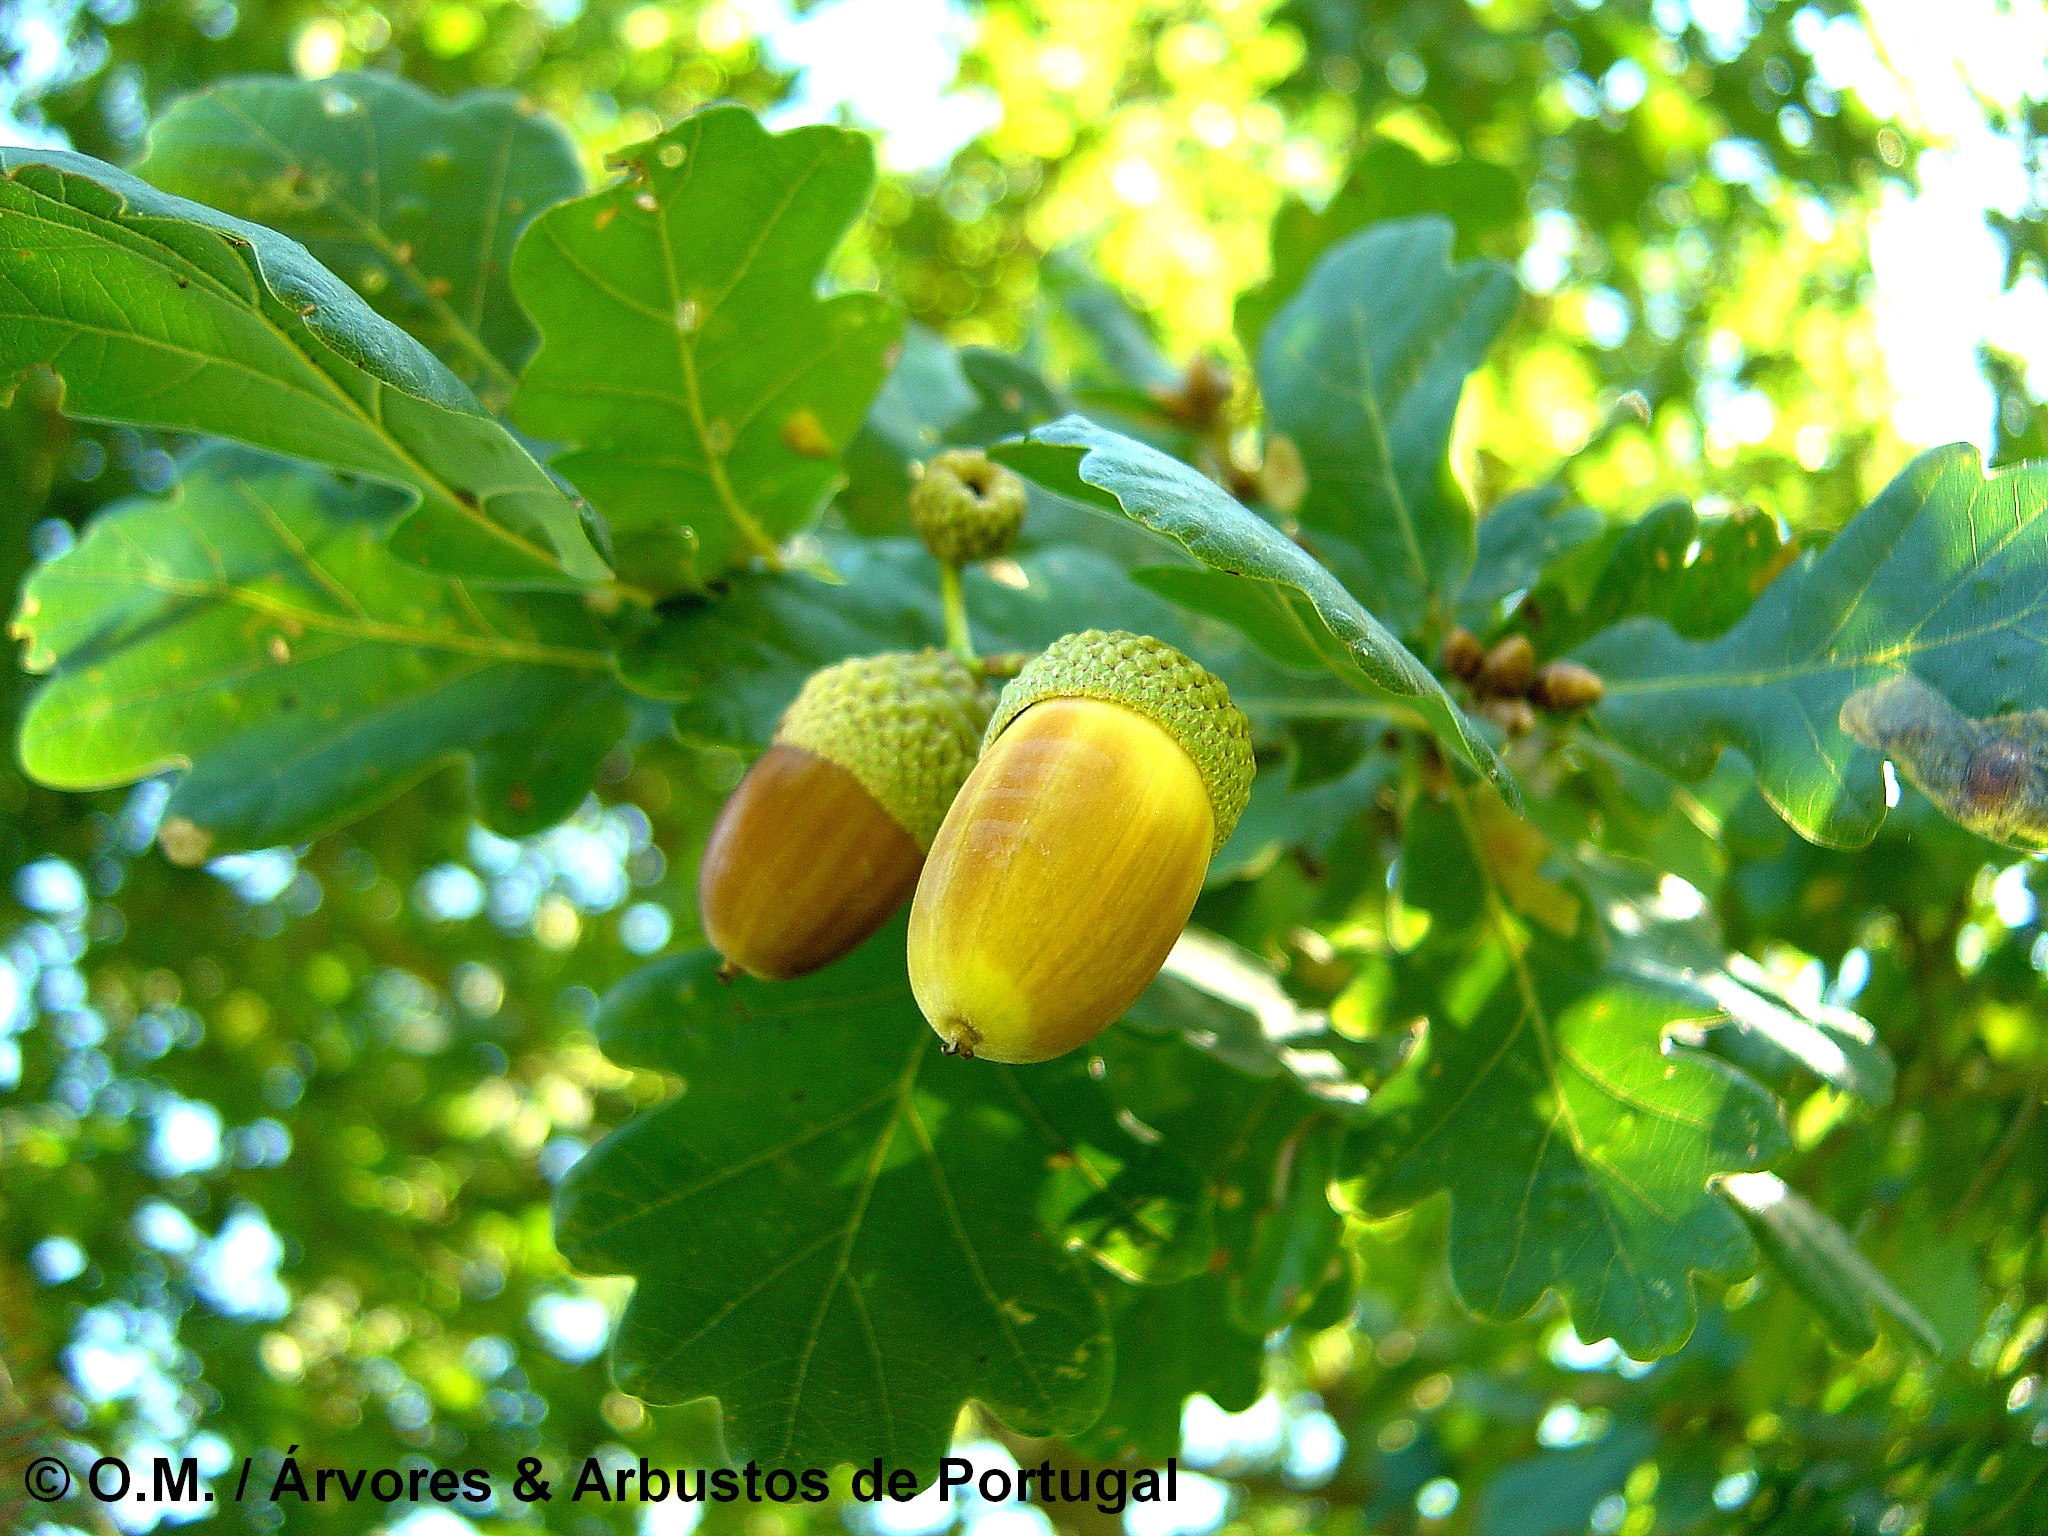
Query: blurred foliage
377,1050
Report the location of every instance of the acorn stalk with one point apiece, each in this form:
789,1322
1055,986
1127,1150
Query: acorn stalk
1071,859
823,839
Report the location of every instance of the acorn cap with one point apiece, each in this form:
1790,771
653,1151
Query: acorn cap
967,507
906,724
1184,698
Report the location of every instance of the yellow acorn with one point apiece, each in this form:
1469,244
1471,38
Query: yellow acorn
1112,771
824,837
966,507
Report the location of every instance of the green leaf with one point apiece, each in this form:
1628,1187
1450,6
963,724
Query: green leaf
736,662
1939,580
1126,354
705,388
1822,1263
844,1253
1363,369
254,627
1698,574
1295,1236
1577,1139
1280,817
416,202
1577,1148
1554,1493
159,312
1278,590
1388,181
1518,541
1228,1006
1263,1135
1168,1348
1770,1033
926,392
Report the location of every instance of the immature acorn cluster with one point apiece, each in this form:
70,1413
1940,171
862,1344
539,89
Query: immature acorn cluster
1510,687
1051,841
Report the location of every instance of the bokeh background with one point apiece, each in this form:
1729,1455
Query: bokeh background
277,1137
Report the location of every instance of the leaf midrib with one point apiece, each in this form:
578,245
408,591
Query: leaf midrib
1532,1015
372,234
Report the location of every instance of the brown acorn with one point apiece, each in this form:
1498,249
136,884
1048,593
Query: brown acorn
1463,654
1505,672
823,839
1564,686
1068,864
1512,715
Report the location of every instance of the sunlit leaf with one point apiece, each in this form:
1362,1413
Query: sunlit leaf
414,201
1362,370
704,388
159,312
252,626
1942,579
1272,585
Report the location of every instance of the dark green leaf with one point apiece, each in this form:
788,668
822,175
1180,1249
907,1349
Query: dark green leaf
1363,369
1553,1493
1518,542
1280,817
927,391
1823,1264
705,388
1698,574
416,202
1298,598
844,1254
253,626
1168,1348
1940,580
1577,1141
1295,1235
162,313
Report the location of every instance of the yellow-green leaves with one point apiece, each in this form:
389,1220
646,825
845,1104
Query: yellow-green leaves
705,389
1943,579
253,627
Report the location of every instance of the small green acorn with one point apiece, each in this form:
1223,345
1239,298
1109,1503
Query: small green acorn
1113,769
967,507
824,837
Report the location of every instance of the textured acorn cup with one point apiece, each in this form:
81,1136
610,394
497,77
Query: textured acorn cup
967,508
1112,771
824,837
